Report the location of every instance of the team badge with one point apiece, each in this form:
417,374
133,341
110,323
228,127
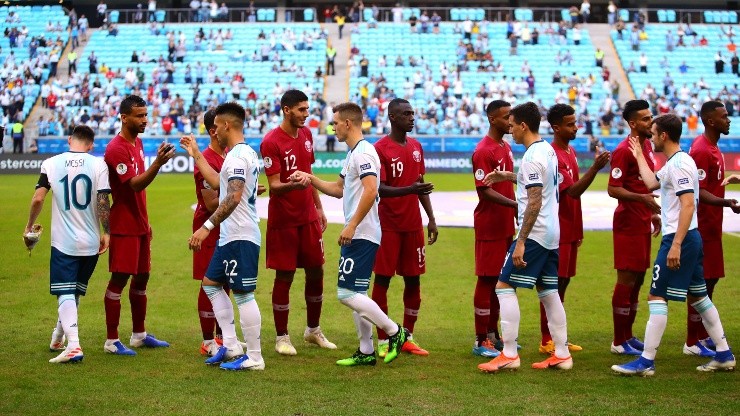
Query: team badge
479,174
141,153
121,168
308,146
702,174
616,173
205,184
268,162
417,156
560,178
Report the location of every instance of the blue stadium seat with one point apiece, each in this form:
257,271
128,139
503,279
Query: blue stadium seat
416,12
454,14
717,16
671,16
725,17
624,14
113,16
270,15
662,18
733,17
367,14
160,15
565,15
261,13
406,14
708,17
308,15
480,14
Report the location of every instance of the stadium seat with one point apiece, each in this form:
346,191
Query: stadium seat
565,15
624,14
406,14
725,17
671,16
662,18
261,13
308,15
454,14
160,15
270,15
733,17
708,17
367,14
416,12
113,16
717,16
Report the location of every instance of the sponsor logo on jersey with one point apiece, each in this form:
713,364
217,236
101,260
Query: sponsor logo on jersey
365,166
308,146
121,168
683,181
238,171
616,173
479,174
393,159
560,178
267,161
702,174
417,156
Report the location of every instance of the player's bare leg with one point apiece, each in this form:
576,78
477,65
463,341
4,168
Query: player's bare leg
314,295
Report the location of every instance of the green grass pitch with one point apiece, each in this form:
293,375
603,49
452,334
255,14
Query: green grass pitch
175,381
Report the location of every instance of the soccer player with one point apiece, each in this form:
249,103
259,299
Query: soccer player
493,222
295,222
80,207
533,258
636,210
235,260
358,185
678,271
130,252
402,249
562,119
711,165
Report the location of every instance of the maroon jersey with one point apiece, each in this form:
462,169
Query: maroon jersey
400,166
569,212
128,214
201,212
711,166
283,154
631,217
493,221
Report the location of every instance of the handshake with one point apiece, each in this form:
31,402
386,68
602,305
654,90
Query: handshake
299,179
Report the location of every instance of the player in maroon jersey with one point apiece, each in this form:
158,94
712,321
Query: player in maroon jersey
295,221
402,250
130,253
636,211
493,222
571,186
711,166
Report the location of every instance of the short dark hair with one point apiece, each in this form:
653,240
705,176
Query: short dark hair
395,103
670,124
129,103
351,111
495,105
208,118
557,112
84,133
529,114
633,106
232,109
292,98
708,107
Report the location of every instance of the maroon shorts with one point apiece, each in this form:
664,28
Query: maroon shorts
202,258
401,253
567,259
714,260
130,254
631,252
490,256
291,248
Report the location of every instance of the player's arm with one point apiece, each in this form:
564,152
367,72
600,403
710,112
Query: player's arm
319,207
335,189
580,186
732,179
277,187
489,194
367,199
37,204
684,220
499,176
190,145
426,203
103,210
225,208
417,188
646,174
210,199
531,212
140,182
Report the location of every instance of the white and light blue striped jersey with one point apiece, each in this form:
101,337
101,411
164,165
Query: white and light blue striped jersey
539,167
75,178
361,161
677,177
241,164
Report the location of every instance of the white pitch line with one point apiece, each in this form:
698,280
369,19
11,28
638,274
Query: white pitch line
733,234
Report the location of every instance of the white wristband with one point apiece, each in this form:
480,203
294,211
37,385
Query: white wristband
208,225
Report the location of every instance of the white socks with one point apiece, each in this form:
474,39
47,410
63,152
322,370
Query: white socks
510,317
251,322
68,320
224,315
556,321
712,323
364,333
368,309
655,327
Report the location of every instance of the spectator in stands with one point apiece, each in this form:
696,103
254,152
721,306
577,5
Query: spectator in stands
643,63
576,34
670,41
93,63
611,16
340,19
513,44
703,41
72,61
599,56
635,38
734,61
620,29
112,30
683,68
719,63
102,7
585,11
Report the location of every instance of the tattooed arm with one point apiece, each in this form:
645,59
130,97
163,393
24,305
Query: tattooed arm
103,211
534,204
225,208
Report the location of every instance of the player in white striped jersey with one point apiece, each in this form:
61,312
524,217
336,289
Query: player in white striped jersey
678,273
533,257
80,207
235,261
358,185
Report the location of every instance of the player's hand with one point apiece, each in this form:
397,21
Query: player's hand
260,189
104,243
518,256
579,243
165,152
322,218
649,200
673,261
496,176
432,232
345,237
197,238
421,188
299,179
732,179
601,159
657,223
190,145
635,147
